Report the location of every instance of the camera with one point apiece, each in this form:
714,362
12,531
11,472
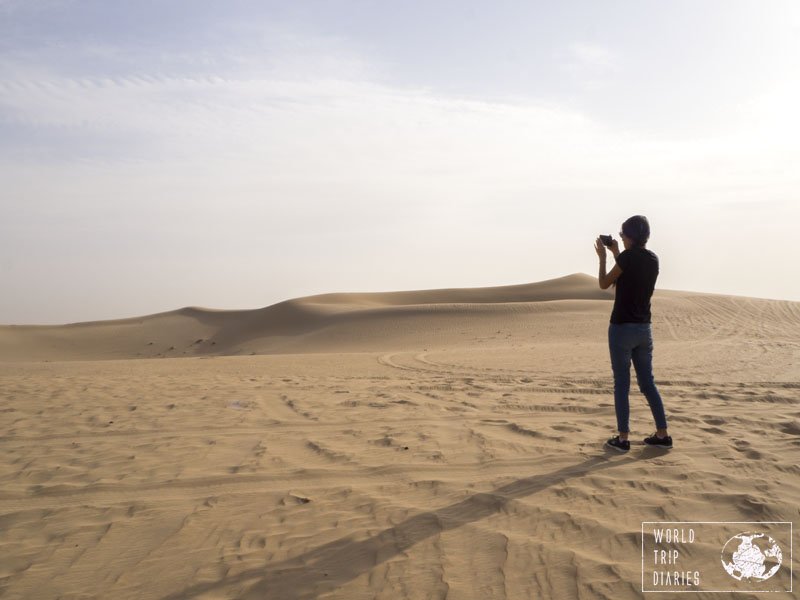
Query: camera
606,239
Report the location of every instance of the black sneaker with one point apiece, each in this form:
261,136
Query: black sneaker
618,444
654,440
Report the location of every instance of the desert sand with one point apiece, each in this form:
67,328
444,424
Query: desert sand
419,444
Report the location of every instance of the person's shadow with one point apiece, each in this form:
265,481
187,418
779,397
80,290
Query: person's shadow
333,564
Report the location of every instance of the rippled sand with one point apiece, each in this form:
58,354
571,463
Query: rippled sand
433,444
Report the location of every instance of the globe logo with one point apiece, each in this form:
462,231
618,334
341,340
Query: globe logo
751,556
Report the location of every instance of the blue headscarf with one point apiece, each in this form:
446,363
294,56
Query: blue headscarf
637,228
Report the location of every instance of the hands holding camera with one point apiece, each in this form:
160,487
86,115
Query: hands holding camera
600,246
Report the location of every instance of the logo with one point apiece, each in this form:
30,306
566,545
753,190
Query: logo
717,556
750,556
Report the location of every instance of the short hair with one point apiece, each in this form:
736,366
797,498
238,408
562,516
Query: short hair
637,228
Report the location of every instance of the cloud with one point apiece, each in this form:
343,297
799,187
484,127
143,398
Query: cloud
590,67
297,124
593,56
331,128
270,155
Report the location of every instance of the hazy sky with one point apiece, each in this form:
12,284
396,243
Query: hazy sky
160,154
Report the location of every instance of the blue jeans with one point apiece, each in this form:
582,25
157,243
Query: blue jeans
634,341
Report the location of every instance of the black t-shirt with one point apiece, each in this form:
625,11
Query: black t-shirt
634,286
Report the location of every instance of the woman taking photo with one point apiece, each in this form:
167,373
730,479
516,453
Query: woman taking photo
630,336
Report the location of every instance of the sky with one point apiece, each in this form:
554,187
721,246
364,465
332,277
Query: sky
161,154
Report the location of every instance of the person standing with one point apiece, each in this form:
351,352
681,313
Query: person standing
630,336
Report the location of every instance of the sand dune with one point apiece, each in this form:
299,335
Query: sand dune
399,445
299,325
386,320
